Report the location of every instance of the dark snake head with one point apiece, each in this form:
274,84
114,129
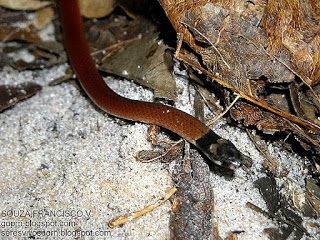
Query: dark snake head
227,153
221,151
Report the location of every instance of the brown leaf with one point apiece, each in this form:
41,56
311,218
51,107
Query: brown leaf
232,45
149,155
272,164
293,30
274,233
270,193
96,8
24,4
252,115
10,33
134,7
115,30
313,195
43,17
136,55
145,63
10,95
102,8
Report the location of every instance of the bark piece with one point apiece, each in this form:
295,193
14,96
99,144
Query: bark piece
10,16
193,202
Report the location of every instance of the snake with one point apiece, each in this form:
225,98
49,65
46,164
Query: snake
218,150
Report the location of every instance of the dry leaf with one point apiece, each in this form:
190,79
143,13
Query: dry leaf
255,60
270,193
131,49
10,95
102,8
145,63
24,4
134,6
293,30
252,115
43,17
116,30
96,8
10,33
313,195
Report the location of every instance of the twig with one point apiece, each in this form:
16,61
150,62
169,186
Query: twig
94,53
252,99
224,112
273,163
162,155
279,219
123,219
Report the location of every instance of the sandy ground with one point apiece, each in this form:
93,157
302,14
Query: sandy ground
67,166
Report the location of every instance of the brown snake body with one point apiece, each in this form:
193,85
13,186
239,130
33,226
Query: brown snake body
218,150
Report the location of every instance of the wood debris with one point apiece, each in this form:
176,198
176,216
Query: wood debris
129,217
193,202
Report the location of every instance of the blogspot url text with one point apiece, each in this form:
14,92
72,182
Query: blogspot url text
54,233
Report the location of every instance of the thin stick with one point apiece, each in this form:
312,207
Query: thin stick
252,99
211,122
123,219
277,218
116,45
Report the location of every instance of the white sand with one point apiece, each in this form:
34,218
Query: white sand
59,152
